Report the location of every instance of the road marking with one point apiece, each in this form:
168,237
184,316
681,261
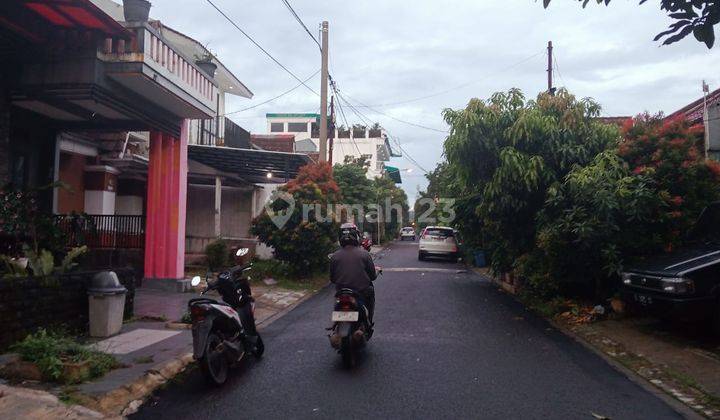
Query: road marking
421,269
133,340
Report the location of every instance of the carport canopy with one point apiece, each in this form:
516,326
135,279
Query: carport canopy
257,166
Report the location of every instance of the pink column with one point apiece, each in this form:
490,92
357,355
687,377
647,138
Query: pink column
166,204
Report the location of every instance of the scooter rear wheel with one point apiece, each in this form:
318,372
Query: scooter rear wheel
346,351
214,364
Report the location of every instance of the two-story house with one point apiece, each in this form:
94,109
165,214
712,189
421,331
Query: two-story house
122,114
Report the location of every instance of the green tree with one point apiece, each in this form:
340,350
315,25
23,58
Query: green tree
430,206
698,17
394,203
356,189
506,152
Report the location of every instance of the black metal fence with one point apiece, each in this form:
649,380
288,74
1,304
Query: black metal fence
103,231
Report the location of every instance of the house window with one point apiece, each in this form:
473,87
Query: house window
297,127
277,127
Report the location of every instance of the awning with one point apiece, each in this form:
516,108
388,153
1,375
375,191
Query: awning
394,174
259,166
76,15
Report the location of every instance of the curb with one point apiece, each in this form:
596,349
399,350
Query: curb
676,405
128,398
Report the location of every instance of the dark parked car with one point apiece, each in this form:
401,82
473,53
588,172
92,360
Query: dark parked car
685,284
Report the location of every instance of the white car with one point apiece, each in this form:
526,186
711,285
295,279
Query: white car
438,241
407,233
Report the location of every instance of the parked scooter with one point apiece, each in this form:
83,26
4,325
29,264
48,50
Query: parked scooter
351,329
224,332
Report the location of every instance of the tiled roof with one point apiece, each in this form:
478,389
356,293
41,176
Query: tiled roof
693,112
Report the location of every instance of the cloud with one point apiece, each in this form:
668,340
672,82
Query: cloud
385,51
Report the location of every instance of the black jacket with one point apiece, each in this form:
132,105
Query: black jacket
352,267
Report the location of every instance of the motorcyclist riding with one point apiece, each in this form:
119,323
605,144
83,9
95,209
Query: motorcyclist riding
353,268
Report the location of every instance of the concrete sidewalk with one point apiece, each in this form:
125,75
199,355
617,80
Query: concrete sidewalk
155,347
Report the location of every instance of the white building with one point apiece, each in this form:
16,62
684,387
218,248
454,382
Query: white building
356,142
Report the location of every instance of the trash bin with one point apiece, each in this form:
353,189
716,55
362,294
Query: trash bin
106,301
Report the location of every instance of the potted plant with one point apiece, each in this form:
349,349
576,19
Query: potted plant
136,10
205,62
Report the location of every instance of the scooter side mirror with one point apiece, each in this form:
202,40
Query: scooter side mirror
195,281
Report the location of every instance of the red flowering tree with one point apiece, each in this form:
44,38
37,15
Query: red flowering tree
671,153
298,223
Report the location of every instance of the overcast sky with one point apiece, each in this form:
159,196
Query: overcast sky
388,51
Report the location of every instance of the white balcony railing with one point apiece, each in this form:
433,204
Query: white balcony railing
151,49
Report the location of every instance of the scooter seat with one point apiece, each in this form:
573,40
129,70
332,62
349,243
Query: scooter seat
347,291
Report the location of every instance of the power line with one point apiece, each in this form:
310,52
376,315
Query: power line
398,119
460,86
260,47
300,21
273,98
557,70
342,114
367,121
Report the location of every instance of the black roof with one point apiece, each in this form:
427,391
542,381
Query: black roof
250,164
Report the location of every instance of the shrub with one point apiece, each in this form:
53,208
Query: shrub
49,351
302,243
598,216
217,254
276,269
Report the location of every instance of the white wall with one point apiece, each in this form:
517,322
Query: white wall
99,202
128,205
262,196
285,120
365,146
235,211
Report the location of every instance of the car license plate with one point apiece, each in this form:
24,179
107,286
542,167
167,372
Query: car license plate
643,299
338,316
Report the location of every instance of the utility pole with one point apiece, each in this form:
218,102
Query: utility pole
706,119
331,136
551,89
323,93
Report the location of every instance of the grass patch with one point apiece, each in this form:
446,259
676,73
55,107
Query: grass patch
68,396
52,351
146,318
143,359
282,273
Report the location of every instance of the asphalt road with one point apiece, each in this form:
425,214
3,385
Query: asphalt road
447,344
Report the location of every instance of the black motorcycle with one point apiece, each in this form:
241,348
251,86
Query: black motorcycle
351,329
224,332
